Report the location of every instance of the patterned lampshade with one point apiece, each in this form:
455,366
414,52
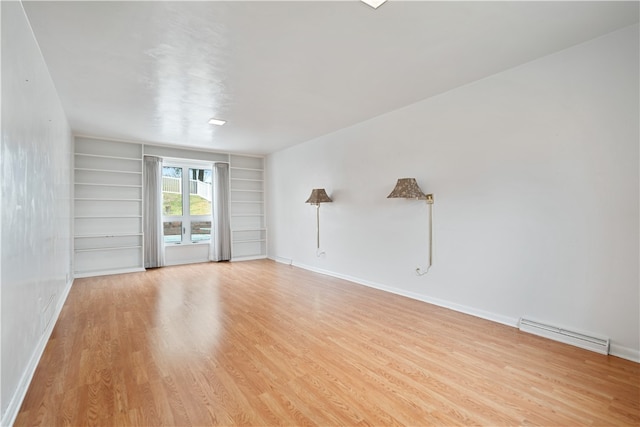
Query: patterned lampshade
407,188
318,195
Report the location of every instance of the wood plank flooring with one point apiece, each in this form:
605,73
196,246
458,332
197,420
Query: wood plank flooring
260,343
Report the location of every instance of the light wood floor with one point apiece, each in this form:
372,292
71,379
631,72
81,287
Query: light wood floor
260,343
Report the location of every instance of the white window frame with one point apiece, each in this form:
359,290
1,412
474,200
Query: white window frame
186,218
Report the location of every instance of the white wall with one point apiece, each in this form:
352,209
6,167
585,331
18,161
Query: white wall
535,177
36,208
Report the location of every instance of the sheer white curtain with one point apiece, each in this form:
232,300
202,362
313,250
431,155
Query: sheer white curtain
220,222
153,232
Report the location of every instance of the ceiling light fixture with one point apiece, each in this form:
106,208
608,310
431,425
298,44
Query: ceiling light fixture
373,3
217,122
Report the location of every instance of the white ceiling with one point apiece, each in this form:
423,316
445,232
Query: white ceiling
282,73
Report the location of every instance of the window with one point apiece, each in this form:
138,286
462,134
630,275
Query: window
186,203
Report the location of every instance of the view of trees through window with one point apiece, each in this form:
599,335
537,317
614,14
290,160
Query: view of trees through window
186,219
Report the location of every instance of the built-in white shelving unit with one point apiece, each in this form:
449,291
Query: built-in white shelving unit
248,232
107,207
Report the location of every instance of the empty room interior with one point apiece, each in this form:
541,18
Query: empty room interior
320,213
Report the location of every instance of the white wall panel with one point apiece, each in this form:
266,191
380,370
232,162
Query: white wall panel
36,208
535,177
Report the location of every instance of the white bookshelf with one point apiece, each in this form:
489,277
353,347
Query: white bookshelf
107,207
248,225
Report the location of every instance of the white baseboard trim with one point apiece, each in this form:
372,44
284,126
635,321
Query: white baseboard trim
282,260
624,352
185,262
80,275
248,258
513,322
21,390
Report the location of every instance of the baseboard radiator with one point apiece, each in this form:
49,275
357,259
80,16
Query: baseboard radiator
578,339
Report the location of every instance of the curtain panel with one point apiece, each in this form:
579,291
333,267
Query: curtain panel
220,249
152,227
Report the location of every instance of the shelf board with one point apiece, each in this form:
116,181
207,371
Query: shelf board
107,170
88,236
248,191
107,185
109,157
246,169
248,229
249,241
234,215
106,216
247,201
247,179
96,199
114,248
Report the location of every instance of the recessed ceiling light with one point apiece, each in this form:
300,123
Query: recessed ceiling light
217,122
374,3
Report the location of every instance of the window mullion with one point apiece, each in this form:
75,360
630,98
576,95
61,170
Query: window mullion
186,212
